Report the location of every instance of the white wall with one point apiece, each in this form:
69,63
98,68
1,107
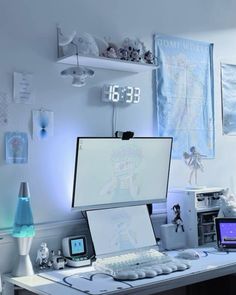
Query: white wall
28,43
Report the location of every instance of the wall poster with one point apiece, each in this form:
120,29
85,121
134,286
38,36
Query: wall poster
228,94
16,147
184,94
43,123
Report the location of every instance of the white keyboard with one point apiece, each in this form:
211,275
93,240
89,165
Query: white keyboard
140,264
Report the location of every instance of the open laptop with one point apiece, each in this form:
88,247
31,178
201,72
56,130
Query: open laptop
226,233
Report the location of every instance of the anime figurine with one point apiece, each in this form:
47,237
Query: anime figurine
177,220
193,160
58,261
43,256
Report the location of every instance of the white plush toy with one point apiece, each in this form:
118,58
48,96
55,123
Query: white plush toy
228,205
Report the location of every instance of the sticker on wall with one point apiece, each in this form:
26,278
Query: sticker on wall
23,88
3,109
16,147
42,124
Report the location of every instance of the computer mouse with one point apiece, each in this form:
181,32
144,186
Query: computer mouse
190,254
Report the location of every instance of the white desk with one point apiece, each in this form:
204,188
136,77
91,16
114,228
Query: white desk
216,264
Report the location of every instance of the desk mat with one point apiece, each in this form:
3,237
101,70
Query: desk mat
88,281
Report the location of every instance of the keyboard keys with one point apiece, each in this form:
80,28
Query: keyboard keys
140,264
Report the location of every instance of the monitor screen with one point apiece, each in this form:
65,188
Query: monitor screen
77,246
111,172
120,229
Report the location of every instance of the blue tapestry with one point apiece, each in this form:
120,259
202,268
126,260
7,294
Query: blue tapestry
184,94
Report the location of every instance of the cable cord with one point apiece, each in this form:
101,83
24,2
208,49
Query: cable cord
114,118
90,278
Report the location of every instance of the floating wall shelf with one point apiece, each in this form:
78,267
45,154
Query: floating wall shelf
107,63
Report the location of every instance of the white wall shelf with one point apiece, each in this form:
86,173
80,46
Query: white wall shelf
108,63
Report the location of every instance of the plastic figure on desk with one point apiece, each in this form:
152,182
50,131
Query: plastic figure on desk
43,256
177,220
193,160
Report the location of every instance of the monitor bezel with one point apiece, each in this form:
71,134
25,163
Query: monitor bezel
119,204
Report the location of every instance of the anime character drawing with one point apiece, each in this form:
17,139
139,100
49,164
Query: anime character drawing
123,183
124,237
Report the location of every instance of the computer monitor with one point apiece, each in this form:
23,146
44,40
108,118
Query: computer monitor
111,172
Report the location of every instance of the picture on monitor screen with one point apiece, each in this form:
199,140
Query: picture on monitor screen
111,172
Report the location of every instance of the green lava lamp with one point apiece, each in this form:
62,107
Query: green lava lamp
23,232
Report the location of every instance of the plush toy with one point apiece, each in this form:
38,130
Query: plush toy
86,44
148,57
123,54
110,52
228,205
135,55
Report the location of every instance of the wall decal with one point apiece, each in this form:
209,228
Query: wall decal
42,124
16,147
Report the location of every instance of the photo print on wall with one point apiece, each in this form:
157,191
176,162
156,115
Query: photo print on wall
42,124
16,147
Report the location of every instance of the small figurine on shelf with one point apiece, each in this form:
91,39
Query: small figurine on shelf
131,50
110,52
58,261
177,220
123,54
42,256
194,161
148,57
135,55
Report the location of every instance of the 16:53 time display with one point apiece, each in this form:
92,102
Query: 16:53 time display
116,93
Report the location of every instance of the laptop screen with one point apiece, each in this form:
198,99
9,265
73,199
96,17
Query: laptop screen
120,229
226,232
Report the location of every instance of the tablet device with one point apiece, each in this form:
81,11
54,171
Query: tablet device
226,233
121,229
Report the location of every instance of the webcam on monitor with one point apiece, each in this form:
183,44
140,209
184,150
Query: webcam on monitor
126,135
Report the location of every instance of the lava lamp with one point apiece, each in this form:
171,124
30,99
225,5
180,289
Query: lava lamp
23,232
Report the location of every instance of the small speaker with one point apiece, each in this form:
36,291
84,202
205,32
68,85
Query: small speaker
172,239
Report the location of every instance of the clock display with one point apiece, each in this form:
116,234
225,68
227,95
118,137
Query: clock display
116,93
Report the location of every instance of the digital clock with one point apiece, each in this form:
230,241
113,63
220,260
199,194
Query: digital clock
116,93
